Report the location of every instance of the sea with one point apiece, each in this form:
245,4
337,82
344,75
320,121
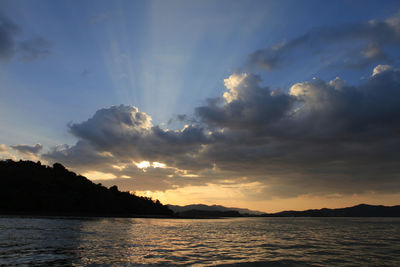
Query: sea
58,241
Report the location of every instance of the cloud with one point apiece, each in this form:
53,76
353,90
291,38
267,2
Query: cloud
245,105
180,118
129,174
322,137
27,149
125,132
354,45
28,50
381,68
334,138
81,155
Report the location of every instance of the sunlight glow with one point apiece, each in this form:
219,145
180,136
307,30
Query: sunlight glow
190,175
96,175
146,164
143,164
158,165
238,196
119,167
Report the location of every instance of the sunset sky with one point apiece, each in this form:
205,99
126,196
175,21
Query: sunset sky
267,105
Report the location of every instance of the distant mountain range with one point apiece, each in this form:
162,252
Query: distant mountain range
202,207
362,210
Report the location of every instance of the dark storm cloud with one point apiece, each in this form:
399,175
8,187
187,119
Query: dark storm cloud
365,41
334,111
82,154
124,131
28,50
112,126
320,138
336,138
27,149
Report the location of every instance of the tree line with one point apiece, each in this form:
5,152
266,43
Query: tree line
33,188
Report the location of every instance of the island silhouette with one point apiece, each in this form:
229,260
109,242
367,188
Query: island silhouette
31,188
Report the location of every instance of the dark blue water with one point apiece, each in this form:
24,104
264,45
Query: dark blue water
239,242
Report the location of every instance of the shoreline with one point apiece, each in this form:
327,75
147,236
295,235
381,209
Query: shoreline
155,216
81,215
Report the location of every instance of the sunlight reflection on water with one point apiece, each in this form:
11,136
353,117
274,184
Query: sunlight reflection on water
240,241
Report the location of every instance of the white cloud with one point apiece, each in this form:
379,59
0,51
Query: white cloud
380,69
232,83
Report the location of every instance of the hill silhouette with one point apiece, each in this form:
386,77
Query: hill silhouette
203,207
362,210
27,187
208,214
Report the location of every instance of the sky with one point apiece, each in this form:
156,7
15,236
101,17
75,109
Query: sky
267,105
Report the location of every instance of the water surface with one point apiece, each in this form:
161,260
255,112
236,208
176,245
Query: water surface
238,241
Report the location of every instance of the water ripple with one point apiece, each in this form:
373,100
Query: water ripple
237,242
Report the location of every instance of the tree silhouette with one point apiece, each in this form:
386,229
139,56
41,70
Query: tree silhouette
28,187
